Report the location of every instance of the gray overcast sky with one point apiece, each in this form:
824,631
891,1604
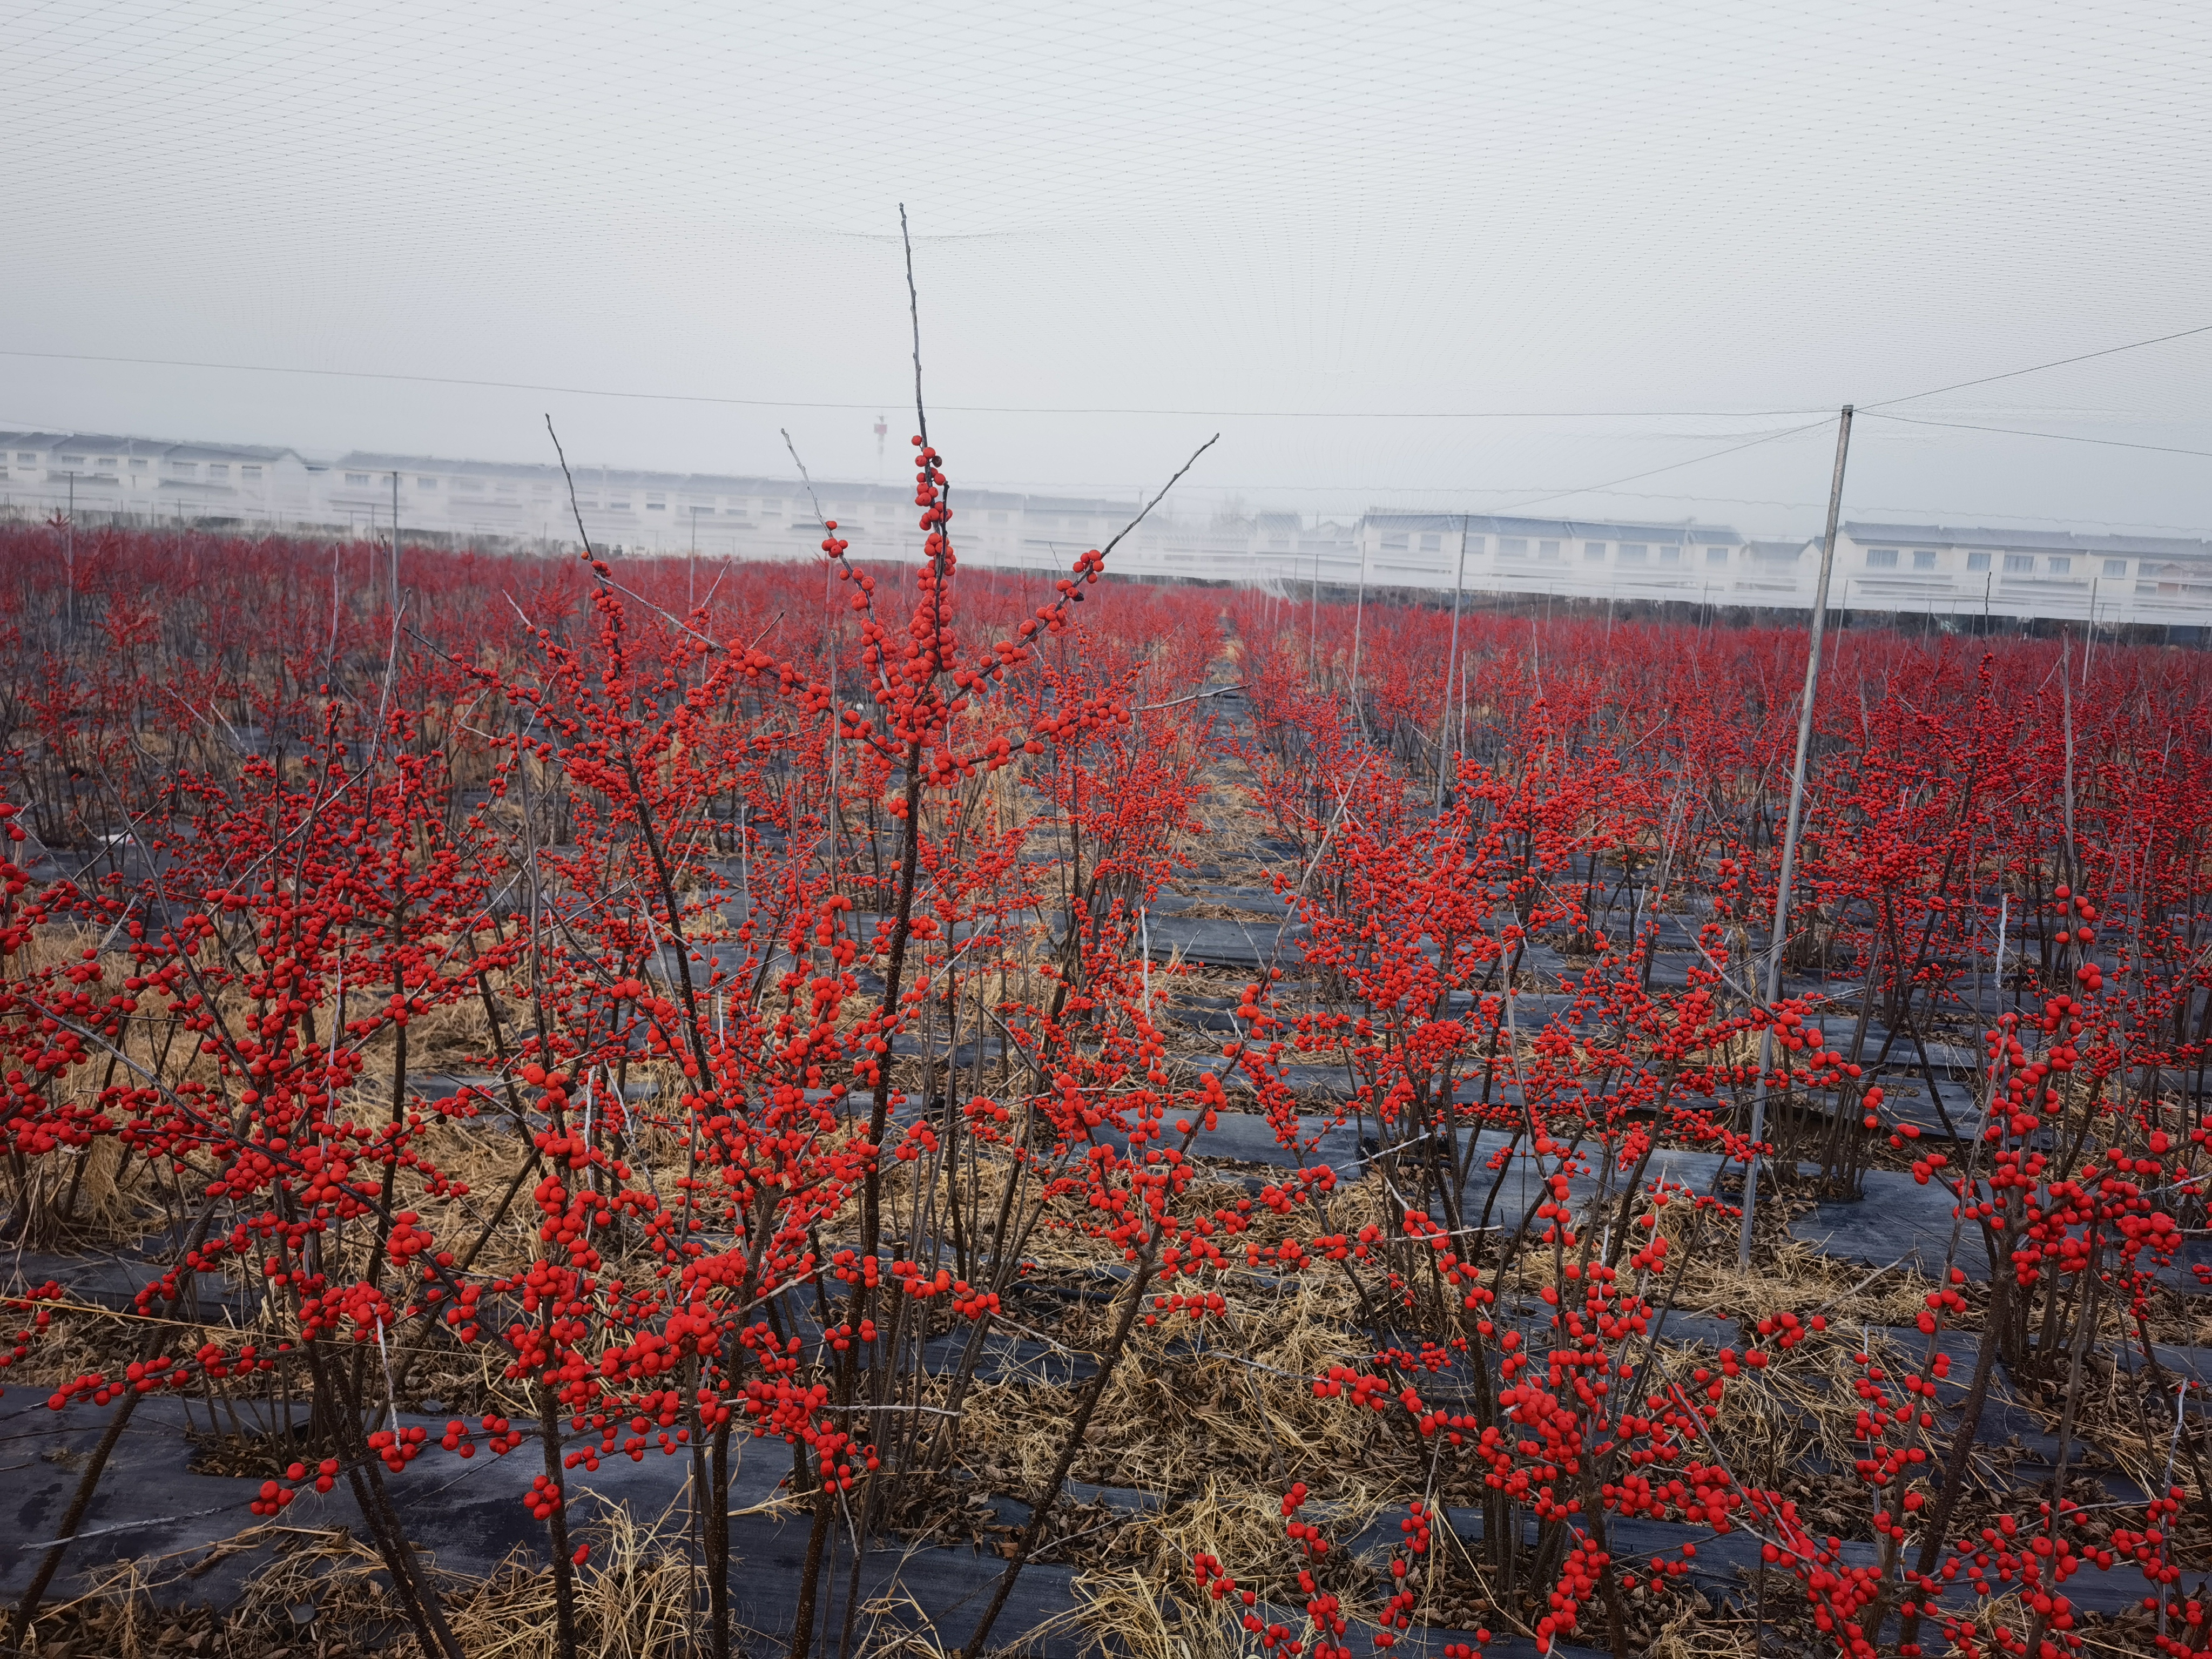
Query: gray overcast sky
1689,215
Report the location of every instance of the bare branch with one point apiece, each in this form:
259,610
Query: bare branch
1217,691
584,535
1164,487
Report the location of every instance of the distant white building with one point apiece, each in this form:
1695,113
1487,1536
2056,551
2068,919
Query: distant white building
1691,562
1902,569
1944,571
102,473
1926,569
716,516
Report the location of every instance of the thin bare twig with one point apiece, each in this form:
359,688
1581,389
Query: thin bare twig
1217,691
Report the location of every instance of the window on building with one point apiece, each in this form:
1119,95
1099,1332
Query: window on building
137,465
26,458
1512,544
1393,544
220,470
191,469
106,463
506,489
614,505
1717,556
356,478
1671,556
249,474
1633,552
2115,566
2060,564
2017,564
1594,552
1881,558
426,484
1923,558
1432,543
71,460
1977,561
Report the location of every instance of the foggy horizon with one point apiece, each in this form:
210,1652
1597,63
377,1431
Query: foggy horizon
1597,263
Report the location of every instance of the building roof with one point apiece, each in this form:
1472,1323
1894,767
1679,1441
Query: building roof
226,452
1089,507
116,443
1482,524
2057,541
833,493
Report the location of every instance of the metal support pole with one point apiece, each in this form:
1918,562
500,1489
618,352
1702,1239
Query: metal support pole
395,544
1444,725
1775,940
1313,617
1359,616
69,560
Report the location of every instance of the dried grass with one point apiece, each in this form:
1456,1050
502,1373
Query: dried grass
1151,1608
1692,1632
325,1592
1789,1276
